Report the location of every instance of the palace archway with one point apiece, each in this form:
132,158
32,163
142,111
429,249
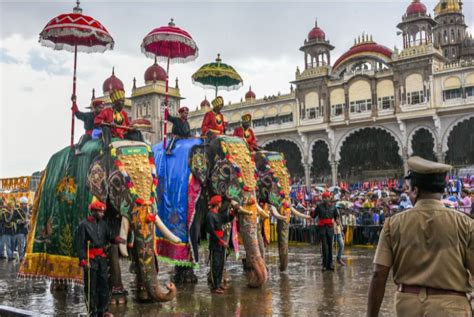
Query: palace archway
292,155
461,144
320,168
423,144
370,153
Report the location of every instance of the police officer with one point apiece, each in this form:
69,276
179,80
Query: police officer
430,249
327,214
92,237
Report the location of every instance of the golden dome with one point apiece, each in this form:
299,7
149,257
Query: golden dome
448,6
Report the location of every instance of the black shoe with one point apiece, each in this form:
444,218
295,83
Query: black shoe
11,259
324,269
331,268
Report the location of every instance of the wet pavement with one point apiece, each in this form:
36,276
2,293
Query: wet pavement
304,290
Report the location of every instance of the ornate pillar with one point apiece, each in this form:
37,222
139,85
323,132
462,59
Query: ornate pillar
334,165
307,175
440,156
405,162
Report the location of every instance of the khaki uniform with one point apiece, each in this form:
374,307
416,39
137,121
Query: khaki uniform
429,246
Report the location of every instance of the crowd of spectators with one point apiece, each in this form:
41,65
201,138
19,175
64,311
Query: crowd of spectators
363,212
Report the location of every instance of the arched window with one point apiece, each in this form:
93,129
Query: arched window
452,36
445,35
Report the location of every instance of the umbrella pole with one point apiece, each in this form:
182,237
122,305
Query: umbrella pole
165,124
74,96
216,91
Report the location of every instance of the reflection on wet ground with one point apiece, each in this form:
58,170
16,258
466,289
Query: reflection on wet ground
304,290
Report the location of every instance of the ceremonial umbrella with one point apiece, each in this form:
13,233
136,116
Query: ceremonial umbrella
170,44
76,32
217,76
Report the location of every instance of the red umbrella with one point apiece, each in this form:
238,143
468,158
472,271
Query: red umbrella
170,44
75,32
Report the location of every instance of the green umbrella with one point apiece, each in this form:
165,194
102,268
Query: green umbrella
217,76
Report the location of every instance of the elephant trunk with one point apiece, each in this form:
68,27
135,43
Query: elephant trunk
256,270
157,295
282,230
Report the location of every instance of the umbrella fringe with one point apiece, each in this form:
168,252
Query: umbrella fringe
226,88
80,48
100,35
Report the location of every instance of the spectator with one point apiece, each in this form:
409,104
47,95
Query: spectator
466,203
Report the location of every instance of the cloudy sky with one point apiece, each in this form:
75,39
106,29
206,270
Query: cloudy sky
261,39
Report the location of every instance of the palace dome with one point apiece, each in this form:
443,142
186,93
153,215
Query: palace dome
364,48
155,73
316,33
250,94
416,7
112,83
205,104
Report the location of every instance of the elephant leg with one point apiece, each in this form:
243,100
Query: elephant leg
184,275
283,230
257,272
119,294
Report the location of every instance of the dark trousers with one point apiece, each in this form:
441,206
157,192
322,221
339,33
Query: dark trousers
99,287
326,234
217,259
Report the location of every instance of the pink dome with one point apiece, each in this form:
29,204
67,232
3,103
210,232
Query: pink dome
416,7
205,104
155,73
112,83
250,94
316,34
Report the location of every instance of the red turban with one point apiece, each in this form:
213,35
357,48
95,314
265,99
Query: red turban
326,195
216,199
183,109
97,205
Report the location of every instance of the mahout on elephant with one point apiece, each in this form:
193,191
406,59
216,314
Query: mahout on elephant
124,178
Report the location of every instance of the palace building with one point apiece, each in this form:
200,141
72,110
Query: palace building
361,116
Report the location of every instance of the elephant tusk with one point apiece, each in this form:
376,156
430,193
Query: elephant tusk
124,228
299,214
165,231
276,214
262,212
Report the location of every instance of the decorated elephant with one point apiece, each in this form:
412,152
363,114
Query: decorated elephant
274,190
192,174
125,180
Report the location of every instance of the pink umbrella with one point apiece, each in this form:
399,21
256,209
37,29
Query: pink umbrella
75,32
170,44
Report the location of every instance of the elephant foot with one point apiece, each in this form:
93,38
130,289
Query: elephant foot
184,275
58,287
142,294
119,296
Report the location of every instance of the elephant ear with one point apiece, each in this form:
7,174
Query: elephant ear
224,181
97,180
199,163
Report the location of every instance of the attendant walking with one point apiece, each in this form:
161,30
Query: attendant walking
327,214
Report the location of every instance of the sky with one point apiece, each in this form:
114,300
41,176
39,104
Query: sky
260,39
